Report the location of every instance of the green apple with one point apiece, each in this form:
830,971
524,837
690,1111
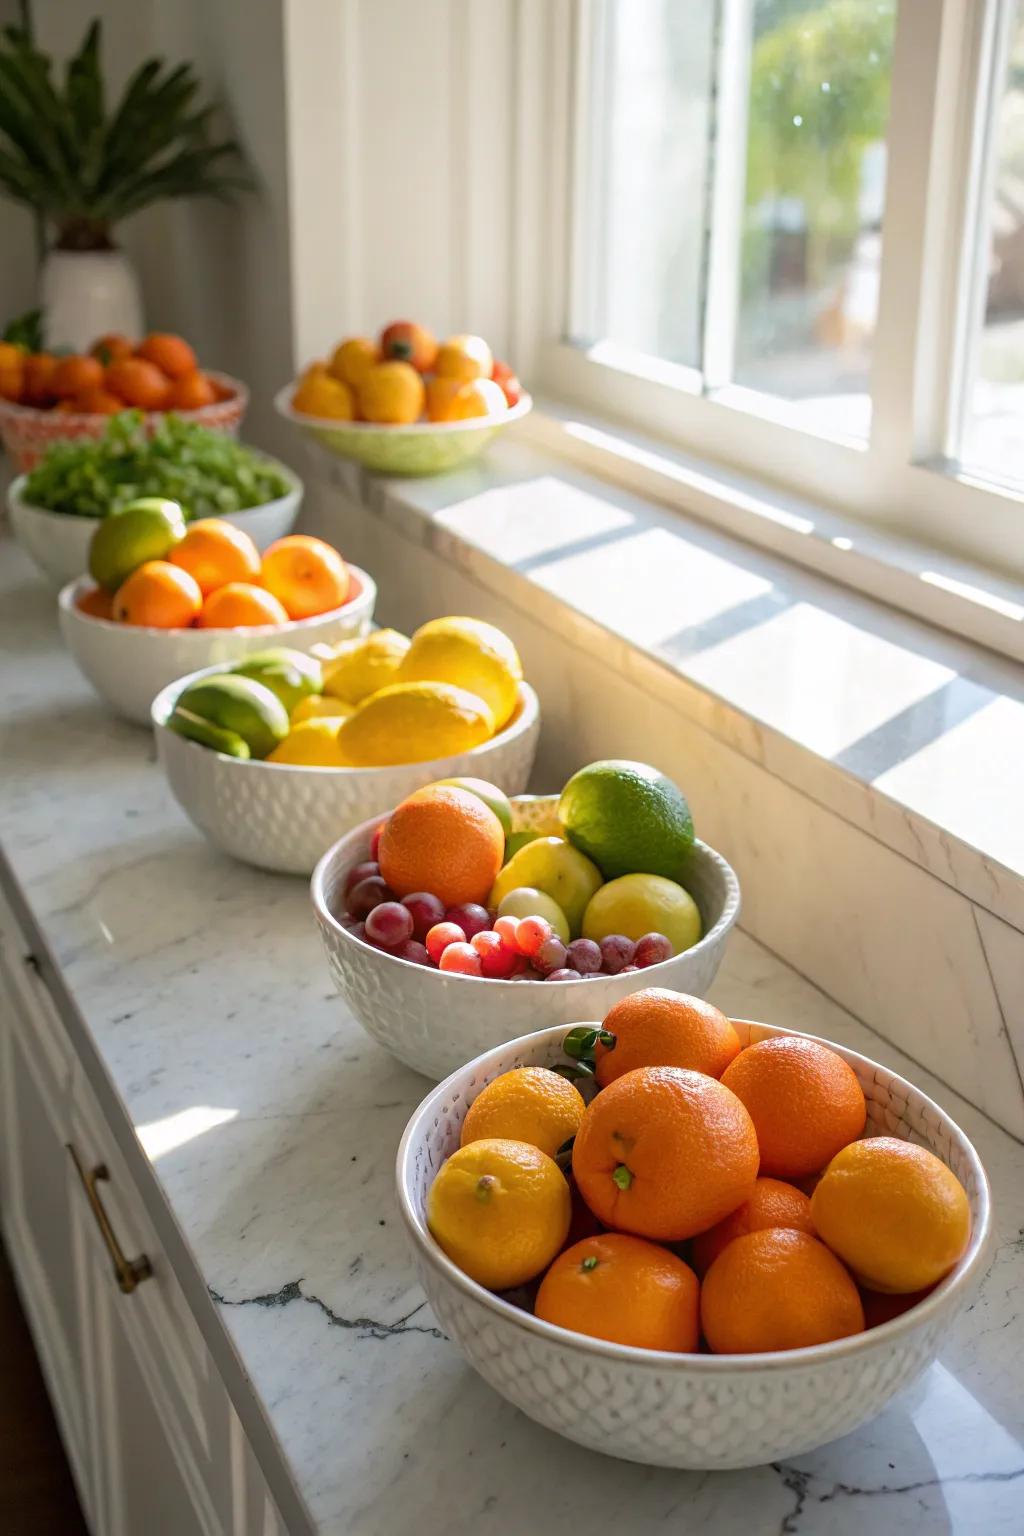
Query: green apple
528,901
553,866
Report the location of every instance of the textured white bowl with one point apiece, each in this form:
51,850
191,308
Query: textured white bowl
434,1020
128,664
281,817
703,1412
59,542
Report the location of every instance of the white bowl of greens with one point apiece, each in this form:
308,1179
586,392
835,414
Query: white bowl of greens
56,507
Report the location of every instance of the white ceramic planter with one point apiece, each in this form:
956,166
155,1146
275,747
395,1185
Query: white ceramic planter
86,294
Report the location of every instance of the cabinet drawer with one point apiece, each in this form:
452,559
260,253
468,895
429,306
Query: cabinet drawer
43,1034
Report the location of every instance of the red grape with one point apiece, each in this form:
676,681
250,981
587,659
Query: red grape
378,833
584,956
616,953
413,951
440,936
369,893
389,924
462,959
652,949
507,928
564,973
359,872
550,956
532,933
470,916
426,911
497,960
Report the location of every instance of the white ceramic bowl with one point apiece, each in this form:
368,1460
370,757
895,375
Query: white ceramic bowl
281,817
434,1020
59,542
128,664
703,1412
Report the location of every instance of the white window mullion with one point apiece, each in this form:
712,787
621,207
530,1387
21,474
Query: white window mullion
727,193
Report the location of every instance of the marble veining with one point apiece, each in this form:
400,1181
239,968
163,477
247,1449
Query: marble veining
274,1123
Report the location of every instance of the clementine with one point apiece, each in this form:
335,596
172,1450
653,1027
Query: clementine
240,605
777,1289
805,1102
216,552
97,603
74,375
319,393
658,1028
306,575
159,595
664,1153
352,360
443,840
171,354
98,402
771,1204
529,1104
190,392
623,1289
137,383
38,383
391,393
112,348
12,371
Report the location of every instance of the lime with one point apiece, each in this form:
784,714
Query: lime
527,901
237,704
143,530
491,795
639,904
292,675
628,818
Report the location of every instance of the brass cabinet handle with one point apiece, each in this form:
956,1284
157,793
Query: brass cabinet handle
128,1272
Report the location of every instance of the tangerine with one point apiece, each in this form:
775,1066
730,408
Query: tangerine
664,1153
777,1289
406,342
443,840
771,1204
659,1028
321,394
158,595
621,1288
306,575
391,393
171,354
352,360
804,1099
38,380
191,392
97,603
98,402
74,375
529,1104
215,552
240,605
137,383
112,348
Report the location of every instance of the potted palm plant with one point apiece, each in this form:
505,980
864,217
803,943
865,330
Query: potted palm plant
83,167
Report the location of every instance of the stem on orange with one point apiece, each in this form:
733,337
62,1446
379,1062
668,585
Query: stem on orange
622,1176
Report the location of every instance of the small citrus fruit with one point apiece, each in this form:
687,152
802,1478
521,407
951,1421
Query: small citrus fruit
629,818
406,342
771,1204
191,392
441,840
111,348
500,1211
616,1287
98,402
658,1028
323,395
471,654
74,375
159,595
440,398
777,1289
39,369
240,605
97,603
464,357
171,354
307,576
352,360
528,1104
665,1153
805,1102
216,552
893,1212
137,383
391,393
358,667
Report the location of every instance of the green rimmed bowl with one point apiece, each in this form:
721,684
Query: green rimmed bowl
424,448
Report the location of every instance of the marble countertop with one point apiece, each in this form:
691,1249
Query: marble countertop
271,1122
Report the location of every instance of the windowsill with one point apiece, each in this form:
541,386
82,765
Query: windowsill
903,730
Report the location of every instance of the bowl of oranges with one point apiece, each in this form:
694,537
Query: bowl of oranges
403,403
164,598
355,727
734,1245
46,398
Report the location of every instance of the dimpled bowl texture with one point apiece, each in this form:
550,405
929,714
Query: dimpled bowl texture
281,817
128,664
59,542
422,448
434,1021
701,1412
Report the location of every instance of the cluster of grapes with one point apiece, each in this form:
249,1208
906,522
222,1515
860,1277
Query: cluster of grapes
465,940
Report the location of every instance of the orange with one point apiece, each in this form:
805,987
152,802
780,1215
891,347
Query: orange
664,1153
352,360
12,371
453,400
137,383
111,348
464,357
38,383
406,342
190,393
240,605
98,402
444,840
805,1102
74,375
500,1211
216,552
306,575
777,1289
392,393
158,594
771,1204
319,394
528,1104
440,398
893,1212
97,603
171,354
623,1289
659,1028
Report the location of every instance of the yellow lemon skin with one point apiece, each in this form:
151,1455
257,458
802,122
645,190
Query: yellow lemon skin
392,394
552,865
352,360
639,904
471,654
500,1210
414,723
359,667
322,395
310,744
317,706
464,357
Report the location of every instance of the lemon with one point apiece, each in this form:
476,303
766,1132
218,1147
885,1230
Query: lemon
628,818
639,904
551,865
470,654
311,744
414,723
359,667
319,706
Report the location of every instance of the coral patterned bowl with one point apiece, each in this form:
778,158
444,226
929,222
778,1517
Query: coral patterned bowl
434,1020
282,817
703,1412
